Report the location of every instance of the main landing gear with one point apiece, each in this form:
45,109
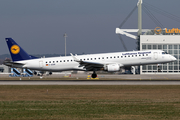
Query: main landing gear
94,75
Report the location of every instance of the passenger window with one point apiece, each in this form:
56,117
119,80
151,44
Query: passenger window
64,61
67,60
46,62
114,56
60,61
49,61
57,61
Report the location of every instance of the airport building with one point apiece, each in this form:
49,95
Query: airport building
164,39
4,69
167,40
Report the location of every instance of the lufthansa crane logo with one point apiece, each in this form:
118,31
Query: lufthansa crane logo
15,49
158,30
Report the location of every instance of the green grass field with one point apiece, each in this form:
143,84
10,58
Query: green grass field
90,102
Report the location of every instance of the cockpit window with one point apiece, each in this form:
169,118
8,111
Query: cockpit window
164,53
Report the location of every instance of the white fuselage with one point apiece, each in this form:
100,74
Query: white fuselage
130,58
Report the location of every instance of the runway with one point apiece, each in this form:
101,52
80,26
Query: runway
90,82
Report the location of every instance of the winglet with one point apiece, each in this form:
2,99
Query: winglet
77,60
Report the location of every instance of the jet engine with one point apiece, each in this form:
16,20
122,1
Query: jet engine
112,67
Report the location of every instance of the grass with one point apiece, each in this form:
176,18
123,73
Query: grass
90,102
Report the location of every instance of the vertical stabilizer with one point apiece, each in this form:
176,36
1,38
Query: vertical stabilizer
17,53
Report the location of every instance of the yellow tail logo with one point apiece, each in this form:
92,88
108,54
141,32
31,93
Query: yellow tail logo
15,49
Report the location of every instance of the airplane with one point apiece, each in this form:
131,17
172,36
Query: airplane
111,62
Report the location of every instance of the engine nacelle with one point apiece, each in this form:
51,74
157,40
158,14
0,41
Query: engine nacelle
112,68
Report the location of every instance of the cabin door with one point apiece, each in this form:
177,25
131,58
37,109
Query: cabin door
41,64
155,55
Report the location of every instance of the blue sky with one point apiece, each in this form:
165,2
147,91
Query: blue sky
38,25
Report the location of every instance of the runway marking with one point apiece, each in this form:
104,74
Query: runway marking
89,77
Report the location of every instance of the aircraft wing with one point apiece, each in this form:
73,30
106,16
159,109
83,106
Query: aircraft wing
88,65
91,65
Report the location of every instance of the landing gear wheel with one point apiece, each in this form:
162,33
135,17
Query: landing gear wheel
94,75
35,73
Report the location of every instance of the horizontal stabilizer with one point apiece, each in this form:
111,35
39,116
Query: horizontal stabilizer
12,64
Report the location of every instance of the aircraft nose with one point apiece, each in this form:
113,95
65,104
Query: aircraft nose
173,58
